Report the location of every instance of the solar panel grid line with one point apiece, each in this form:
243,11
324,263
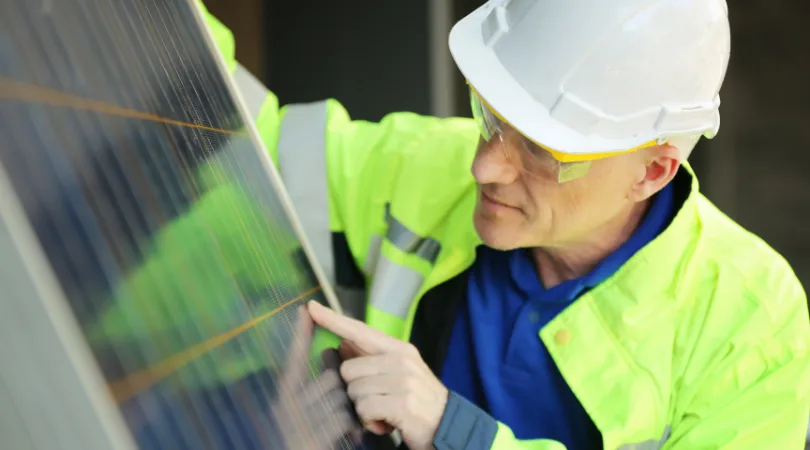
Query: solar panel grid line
257,254
190,294
15,90
241,224
239,169
240,292
61,97
275,311
331,298
270,168
132,384
259,257
68,241
71,248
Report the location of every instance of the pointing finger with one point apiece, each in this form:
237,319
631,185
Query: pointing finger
363,337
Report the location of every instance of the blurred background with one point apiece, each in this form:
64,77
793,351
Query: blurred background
378,57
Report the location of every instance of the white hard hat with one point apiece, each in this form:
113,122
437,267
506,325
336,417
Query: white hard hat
591,78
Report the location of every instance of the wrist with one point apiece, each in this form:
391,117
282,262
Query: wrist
464,426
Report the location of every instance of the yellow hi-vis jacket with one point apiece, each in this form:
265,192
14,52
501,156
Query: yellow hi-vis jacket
700,341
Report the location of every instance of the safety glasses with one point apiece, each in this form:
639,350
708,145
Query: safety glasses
535,159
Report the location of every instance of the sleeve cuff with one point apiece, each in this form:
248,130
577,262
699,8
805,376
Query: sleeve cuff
464,426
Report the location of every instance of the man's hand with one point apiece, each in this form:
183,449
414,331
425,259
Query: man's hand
312,414
390,385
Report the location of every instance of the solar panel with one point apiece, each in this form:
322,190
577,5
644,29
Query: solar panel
151,269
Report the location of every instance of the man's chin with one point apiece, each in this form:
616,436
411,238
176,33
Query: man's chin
495,235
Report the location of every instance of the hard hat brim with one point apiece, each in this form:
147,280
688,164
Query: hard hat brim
483,70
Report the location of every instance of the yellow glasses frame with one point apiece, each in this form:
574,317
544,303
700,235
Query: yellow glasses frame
570,165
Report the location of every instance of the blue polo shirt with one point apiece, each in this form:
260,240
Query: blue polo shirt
496,360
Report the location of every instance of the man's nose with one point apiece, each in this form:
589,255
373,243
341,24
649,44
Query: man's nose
492,164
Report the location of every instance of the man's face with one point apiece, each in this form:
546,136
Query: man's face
520,205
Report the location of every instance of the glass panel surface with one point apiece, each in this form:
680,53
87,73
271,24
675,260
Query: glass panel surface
157,215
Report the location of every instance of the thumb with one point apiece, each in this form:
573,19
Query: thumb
379,427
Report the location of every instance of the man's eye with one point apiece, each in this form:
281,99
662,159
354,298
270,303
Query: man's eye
536,151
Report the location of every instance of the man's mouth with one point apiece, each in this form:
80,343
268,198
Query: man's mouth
491,201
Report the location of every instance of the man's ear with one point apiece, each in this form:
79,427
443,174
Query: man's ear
661,165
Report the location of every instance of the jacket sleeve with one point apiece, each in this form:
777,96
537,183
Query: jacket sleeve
758,396
464,426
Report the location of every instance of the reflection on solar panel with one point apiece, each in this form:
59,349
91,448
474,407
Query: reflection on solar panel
131,206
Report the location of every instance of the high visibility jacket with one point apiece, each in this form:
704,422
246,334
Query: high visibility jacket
699,341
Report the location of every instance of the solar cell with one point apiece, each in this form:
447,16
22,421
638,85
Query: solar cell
126,160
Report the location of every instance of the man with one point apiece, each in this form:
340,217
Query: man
577,291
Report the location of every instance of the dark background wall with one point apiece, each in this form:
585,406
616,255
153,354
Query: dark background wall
377,57
369,54
757,168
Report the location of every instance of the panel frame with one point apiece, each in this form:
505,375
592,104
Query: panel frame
267,162
59,396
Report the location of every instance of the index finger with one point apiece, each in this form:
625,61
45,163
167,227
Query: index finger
365,338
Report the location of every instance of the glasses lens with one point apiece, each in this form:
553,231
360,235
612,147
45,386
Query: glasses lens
488,124
535,160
